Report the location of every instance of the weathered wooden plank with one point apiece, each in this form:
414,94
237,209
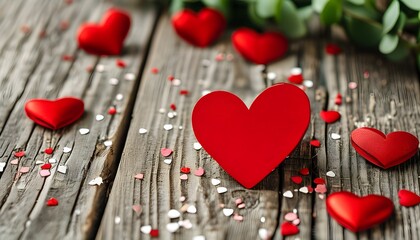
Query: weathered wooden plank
33,67
161,188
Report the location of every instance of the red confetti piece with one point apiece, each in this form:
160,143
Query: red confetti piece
184,92
304,171
315,143
49,151
338,99
332,49
166,152
19,154
46,166
319,181
295,78
220,57
155,70
296,179
154,233
120,63
330,116
310,189
68,57
173,106
52,202
288,229
408,198
170,78
112,111
185,170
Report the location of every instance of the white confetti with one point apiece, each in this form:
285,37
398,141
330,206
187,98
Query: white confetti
262,219
171,115
173,213
176,82
172,227
185,224
330,174
215,181
221,189
66,149
227,212
96,181
335,136
205,92
84,131
296,71
304,190
100,68
167,161
52,160
108,143
197,146
39,162
288,194
117,220
162,110
192,209
180,127
114,81
263,233
2,165
119,97
199,237
77,212
271,76
146,229
308,83
168,127
62,169
129,76
182,198
295,211
142,130
99,117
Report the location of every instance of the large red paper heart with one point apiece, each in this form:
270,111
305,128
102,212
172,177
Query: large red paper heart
383,150
107,37
54,114
408,198
250,143
359,213
199,29
259,48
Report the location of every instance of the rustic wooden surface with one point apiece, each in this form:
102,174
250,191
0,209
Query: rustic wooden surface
30,67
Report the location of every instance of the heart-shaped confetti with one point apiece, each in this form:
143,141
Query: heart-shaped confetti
238,217
332,49
172,227
288,194
54,114
154,233
330,174
215,181
296,179
288,229
14,161
96,181
52,160
199,29
137,209
359,213
99,117
66,149
185,170
166,152
304,171
199,172
192,209
259,48
2,165
222,124
227,212
321,188
173,213
146,229
167,161
408,198
290,216
383,150
24,169
338,99
330,116
46,166
139,176
315,143
295,78
319,181
263,234
84,131
335,136
19,154
142,130
107,37
221,189
44,173
52,202
62,169
168,127
49,151
304,190
197,146
183,177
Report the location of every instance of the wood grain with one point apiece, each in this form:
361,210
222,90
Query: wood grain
33,67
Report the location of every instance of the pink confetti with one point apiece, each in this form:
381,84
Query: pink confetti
155,70
238,201
183,177
166,152
238,217
24,169
290,216
14,162
321,188
137,209
296,221
242,205
199,172
352,85
44,173
219,57
19,154
139,176
366,74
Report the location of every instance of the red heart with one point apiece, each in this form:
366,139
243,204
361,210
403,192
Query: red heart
304,171
359,213
259,48
315,143
408,198
54,114
107,37
199,29
250,143
52,202
46,166
383,150
329,116
288,229
296,179
319,181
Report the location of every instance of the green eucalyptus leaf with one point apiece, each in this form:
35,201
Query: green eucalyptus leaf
266,8
332,12
176,6
391,16
221,5
289,22
318,5
388,43
357,2
255,18
402,19
413,4
305,12
278,9
399,53
363,34
362,11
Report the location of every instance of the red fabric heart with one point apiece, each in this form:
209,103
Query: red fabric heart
54,114
288,229
383,150
249,143
259,48
408,198
107,37
52,202
359,213
329,116
199,29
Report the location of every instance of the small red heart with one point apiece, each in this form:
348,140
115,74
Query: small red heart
383,150
154,233
166,152
46,166
304,171
48,151
249,143
288,229
359,213
107,37
52,202
19,154
120,63
338,99
408,198
319,181
315,143
199,29
185,170
184,92
332,49
112,111
54,114
330,116
259,48
295,78
296,179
